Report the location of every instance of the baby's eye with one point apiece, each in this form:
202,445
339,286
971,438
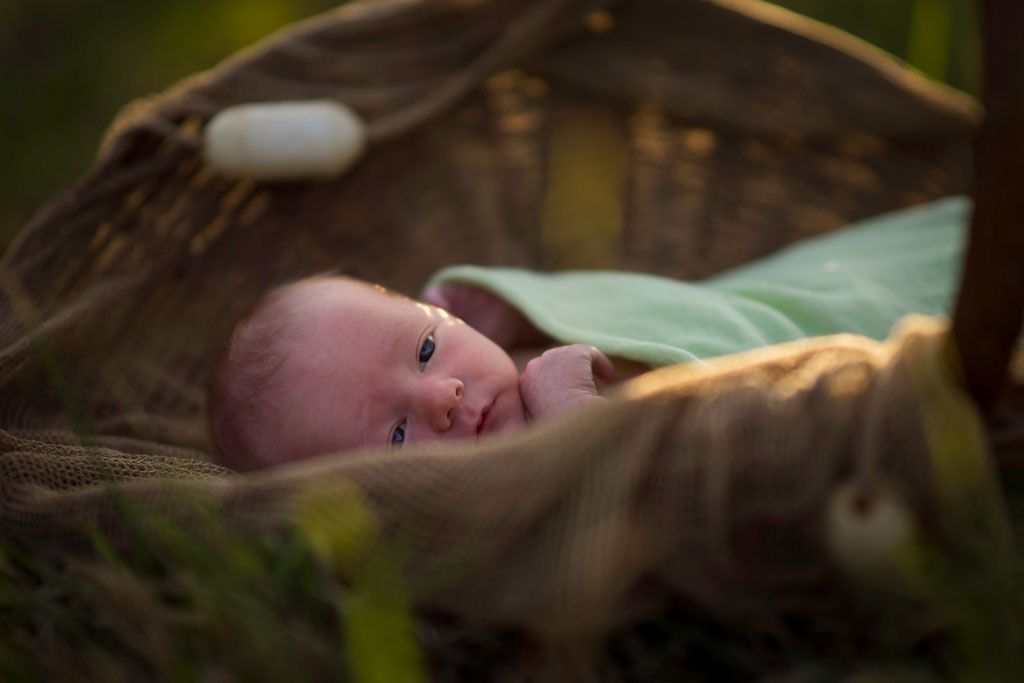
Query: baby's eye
426,351
398,436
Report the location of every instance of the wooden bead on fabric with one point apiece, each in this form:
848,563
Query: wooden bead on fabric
871,535
284,140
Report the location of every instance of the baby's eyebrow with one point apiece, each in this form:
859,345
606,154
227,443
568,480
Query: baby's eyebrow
399,345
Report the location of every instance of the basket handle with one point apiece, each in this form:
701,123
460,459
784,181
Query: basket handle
990,304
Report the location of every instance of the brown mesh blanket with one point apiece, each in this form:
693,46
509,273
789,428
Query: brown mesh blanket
717,131
715,490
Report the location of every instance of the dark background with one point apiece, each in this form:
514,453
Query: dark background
69,65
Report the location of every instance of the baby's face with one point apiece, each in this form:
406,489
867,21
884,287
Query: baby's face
366,368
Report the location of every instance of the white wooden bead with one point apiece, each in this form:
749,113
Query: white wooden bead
284,140
871,536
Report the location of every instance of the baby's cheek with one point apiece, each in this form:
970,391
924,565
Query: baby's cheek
517,411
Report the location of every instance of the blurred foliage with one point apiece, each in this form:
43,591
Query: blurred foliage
215,603
938,37
70,65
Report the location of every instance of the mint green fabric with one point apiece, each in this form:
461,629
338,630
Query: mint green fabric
860,280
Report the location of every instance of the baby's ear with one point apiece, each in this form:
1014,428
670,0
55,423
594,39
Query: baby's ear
435,296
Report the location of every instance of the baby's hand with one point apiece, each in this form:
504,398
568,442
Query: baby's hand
562,378
484,312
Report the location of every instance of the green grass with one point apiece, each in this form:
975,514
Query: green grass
207,602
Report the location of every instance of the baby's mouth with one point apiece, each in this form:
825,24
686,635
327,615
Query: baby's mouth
485,415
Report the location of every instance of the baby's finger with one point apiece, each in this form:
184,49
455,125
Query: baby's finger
603,367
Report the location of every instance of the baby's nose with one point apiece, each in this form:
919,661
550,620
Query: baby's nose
438,402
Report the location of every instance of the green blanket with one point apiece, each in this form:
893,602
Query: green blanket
859,280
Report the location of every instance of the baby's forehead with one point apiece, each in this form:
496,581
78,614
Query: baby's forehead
330,307
338,332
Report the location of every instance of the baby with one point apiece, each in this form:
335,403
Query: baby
331,363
